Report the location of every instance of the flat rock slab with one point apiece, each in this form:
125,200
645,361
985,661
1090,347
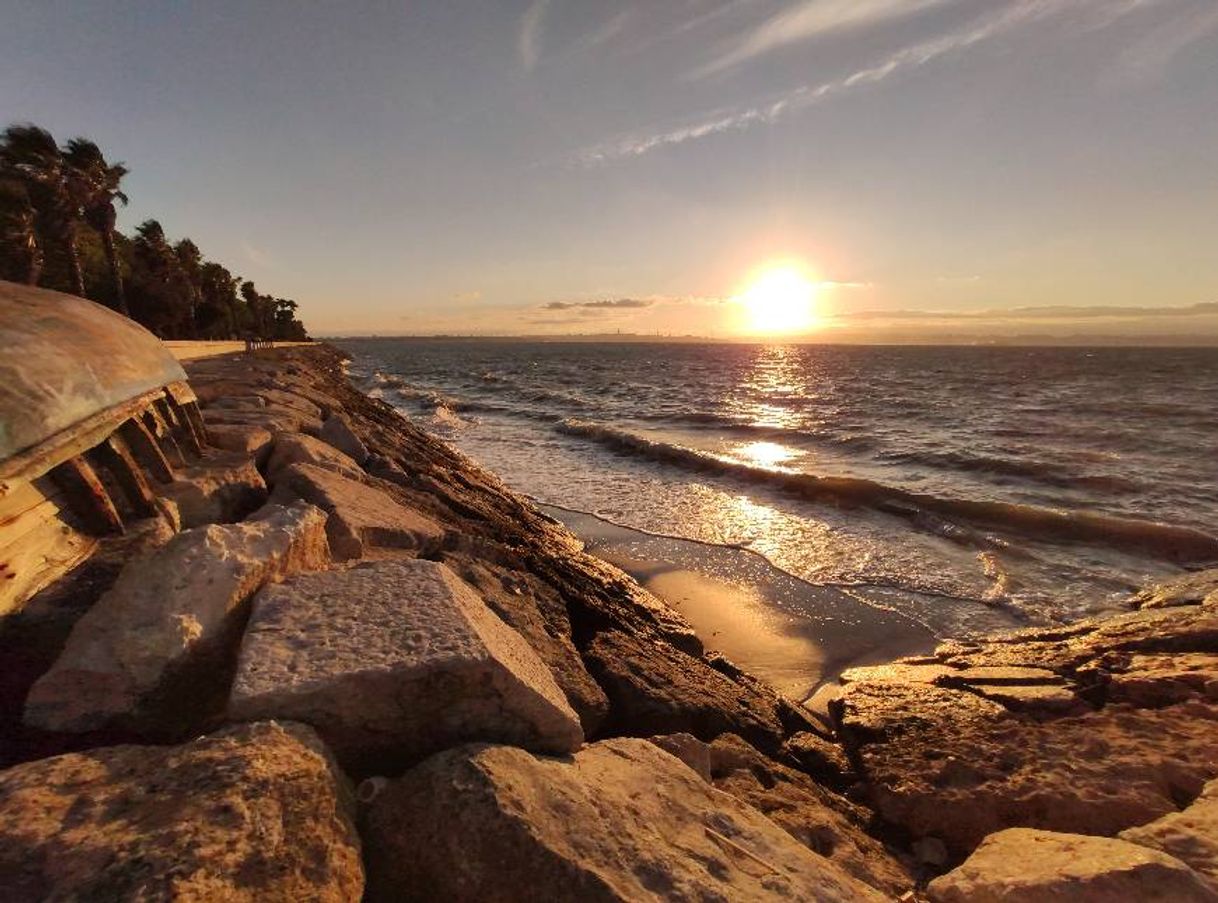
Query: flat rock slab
253,813
393,660
297,448
224,488
1191,835
620,820
167,607
360,516
1021,865
247,440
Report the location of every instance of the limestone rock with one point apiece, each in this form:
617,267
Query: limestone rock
255,813
1021,865
274,419
393,660
176,604
360,516
620,820
1191,835
222,489
1124,726
539,614
823,759
821,820
247,440
1198,588
655,689
689,749
297,448
337,431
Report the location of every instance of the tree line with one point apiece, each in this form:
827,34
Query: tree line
58,208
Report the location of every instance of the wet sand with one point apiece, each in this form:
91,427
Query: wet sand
793,634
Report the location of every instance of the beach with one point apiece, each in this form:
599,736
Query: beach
609,666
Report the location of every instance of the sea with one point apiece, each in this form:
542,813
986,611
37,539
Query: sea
968,489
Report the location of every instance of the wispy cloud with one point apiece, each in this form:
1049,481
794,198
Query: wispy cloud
1015,15
528,41
619,303
809,20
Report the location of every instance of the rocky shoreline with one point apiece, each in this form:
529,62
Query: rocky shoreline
345,661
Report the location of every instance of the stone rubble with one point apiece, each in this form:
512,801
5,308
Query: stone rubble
1070,762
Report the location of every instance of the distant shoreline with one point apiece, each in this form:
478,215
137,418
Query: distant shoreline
1097,342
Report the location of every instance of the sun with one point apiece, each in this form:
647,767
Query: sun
781,299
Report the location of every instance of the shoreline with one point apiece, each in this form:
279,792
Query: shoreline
334,509
794,635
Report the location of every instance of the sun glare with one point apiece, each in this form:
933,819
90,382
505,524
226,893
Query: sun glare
781,299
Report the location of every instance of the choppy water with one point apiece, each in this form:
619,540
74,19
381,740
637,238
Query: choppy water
967,487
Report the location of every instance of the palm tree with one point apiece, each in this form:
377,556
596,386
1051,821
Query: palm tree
18,235
31,154
94,184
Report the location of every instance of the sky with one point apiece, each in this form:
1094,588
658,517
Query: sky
934,169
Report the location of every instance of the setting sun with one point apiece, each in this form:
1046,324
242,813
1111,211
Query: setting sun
781,299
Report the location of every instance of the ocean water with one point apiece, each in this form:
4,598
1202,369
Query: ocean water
967,488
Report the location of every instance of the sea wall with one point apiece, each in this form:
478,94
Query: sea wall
351,662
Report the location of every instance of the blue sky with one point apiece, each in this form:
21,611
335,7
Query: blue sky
503,167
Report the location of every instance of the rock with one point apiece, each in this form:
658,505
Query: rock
277,420
337,431
954,765
1198,588
247,440
821,758
1034,698
171,611
1021,865
620,820
824,822
360,516
254,813
538,613
689,749
655,689
393,660
224,488
1191,835
297,448
1151,681
930,851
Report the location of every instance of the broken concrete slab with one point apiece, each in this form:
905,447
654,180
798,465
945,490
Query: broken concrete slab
175,604
393,660
360,516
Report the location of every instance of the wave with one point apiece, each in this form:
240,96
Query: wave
939,514
1033,470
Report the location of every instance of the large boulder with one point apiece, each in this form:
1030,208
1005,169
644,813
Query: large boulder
297,448
360,516
337,431
1191,835
254,813
171,611
620,820
224,487
1021,865
393,660
654,688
